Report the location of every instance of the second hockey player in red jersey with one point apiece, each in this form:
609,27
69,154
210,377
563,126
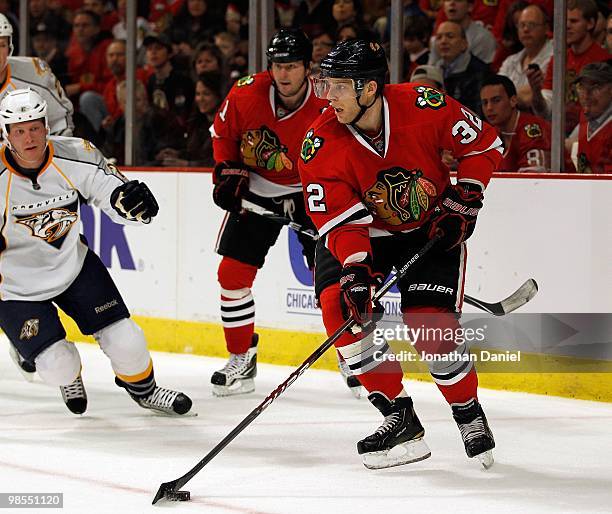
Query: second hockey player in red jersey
257,135
376,189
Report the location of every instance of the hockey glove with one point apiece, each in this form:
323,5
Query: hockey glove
455,216
231,183
134,201
358,284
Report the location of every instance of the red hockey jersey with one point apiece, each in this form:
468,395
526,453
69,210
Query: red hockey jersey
248,129
350,188
595,147
527,147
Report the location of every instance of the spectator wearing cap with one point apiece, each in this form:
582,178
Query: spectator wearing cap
198,149
45,47
168,89
581,50
526,137
417,31
429,76
463,72
533,27
594,87
480,40
155,128
42,19
87,55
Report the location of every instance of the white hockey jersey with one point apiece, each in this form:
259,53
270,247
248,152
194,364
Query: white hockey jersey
41,252
24,72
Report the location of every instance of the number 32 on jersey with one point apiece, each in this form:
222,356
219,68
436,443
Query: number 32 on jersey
467,131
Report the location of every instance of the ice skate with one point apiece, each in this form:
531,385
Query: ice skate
475,431
75,396
237,376
27,369
352,382
399,440
161,399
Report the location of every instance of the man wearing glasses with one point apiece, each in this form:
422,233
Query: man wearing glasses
538,49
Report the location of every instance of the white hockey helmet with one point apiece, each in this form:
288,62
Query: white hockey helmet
6,30
21,105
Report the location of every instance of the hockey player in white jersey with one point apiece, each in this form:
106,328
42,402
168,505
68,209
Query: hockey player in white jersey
34,73
45,263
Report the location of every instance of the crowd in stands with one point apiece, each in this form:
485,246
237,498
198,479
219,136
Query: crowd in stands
494,56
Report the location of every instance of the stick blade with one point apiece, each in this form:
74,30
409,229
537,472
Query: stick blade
164,489
520,297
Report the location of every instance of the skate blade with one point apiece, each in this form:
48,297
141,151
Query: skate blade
486,459
405,453
243,386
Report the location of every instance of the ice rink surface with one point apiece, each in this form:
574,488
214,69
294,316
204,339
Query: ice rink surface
552,455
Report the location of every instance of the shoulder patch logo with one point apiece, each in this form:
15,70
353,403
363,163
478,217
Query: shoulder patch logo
88,145
40,66
310,146
29,329
245,81
400,196
263,148
533,130
429,97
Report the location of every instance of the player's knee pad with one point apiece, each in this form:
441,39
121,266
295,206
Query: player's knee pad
234,275
59,364
125,345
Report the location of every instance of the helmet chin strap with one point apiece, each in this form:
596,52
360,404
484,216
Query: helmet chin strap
15,151
362,110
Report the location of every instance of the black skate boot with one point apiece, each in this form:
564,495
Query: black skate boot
399,440
161,399
351,381
475,431
26,368
75,396
237,376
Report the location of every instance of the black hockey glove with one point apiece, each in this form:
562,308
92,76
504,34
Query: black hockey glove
358,284
231,183
134,201
455,216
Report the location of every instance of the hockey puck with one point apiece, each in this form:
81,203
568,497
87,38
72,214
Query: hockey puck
178,496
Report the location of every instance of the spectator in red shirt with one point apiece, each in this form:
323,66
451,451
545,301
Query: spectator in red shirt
582,50
526,137
87,56
594,87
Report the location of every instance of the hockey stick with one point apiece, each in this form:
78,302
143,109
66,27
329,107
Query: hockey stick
171,490
262,211
517,299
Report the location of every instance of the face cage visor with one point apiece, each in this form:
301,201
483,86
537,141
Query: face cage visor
336,88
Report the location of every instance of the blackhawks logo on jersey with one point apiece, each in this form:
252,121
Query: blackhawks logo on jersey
262,148
400,196
310,146
245,81
533,130
429,97
52,225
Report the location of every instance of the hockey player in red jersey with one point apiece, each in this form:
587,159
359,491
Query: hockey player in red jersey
525,136
257,135
376,189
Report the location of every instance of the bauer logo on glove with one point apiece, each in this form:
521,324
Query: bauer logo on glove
134,201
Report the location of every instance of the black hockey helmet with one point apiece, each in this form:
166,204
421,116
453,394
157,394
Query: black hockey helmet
356,59
289,45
